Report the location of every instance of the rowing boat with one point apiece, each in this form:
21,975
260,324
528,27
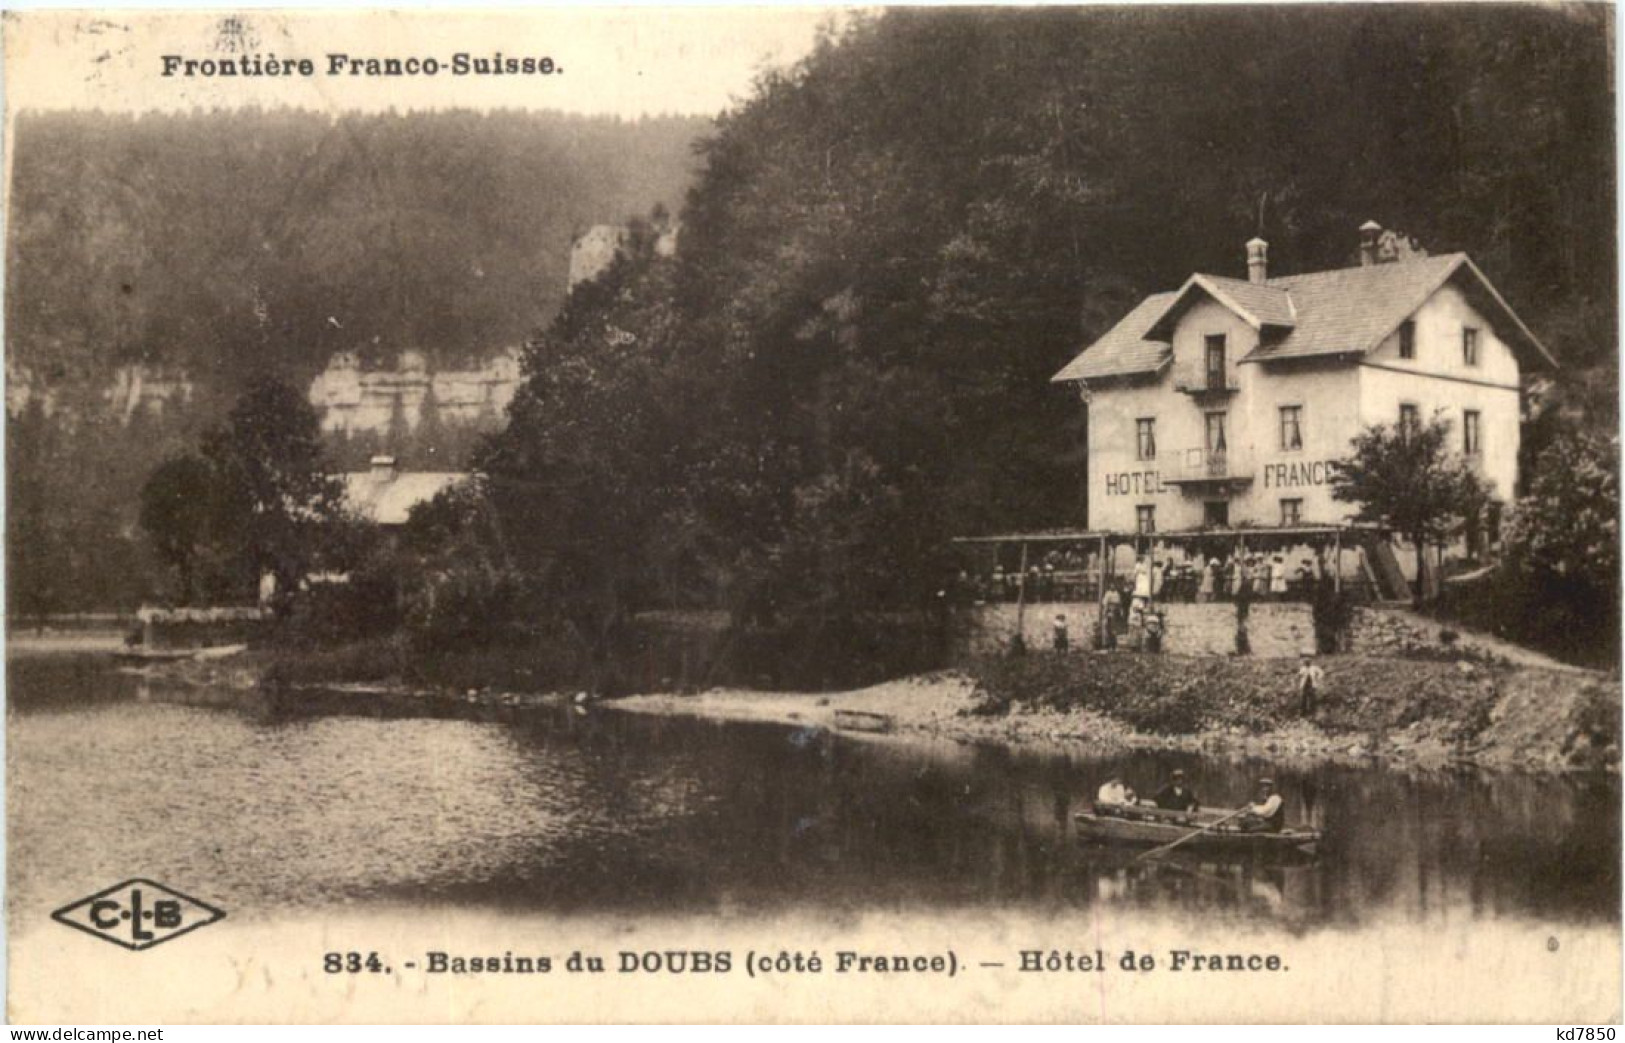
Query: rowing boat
154,655
1152,827
862,721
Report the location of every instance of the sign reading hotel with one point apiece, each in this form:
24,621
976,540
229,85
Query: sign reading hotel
1289,475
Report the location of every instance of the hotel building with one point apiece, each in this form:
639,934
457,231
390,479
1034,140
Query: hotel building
1221,404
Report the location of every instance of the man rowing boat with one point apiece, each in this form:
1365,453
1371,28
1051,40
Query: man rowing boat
1266,814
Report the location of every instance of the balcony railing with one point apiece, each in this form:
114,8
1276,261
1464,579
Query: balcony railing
1204,383
1201,465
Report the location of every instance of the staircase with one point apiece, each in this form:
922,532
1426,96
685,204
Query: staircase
1388,577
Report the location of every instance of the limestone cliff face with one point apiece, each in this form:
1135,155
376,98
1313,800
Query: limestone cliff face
150,388
349,398
134,388
352,400
592,252
595,250
24,387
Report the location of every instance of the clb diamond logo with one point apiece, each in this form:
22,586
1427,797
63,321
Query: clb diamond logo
138,914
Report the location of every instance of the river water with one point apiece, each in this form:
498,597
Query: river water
275,812
111,776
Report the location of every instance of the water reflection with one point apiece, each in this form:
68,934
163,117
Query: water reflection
268,805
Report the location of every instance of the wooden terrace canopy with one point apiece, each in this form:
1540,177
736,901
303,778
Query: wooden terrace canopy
1173,536
1105,540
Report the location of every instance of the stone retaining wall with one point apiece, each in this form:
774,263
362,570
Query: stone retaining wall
1276,629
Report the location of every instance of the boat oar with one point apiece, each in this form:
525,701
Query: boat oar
1193,833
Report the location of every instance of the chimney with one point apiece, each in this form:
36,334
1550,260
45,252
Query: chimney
1370,232
382,469
1258,268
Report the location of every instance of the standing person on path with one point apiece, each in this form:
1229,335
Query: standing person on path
1142,578
1062,641
1153,631
1142,592
1306,578
1310,679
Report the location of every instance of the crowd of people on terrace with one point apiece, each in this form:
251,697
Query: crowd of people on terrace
1069,576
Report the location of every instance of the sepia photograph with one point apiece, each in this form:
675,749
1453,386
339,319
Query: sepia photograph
1094,514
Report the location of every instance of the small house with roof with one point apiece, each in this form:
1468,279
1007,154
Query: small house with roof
385,495
1222,404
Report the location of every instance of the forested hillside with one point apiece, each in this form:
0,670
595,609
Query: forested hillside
896,243
178,254
888,251
218,240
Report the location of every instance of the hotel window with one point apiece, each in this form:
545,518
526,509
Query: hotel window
1145,515
1216,444
1291,427
1291,512
1407,339
1469,345
1215,361
1470,444
1145,438
1410,420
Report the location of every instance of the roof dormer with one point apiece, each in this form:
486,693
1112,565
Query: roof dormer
1259,306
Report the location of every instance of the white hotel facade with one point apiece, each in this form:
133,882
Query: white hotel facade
1220,404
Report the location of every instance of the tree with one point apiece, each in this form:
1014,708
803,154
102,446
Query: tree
430,447
177,505
588,478
457,582
398,436
35,557
276,508
1564,534
1405,478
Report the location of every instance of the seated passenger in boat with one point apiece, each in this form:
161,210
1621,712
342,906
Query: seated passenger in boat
1115,793
1176,796
1267,813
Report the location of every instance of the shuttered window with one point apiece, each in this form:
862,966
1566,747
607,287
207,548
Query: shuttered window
1145,438
1291,427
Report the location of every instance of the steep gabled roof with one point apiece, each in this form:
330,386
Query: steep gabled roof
388,500
1346,311
1257,305
1352,310
1124,350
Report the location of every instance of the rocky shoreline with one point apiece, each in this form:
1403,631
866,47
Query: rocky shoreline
945,706
1532,720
